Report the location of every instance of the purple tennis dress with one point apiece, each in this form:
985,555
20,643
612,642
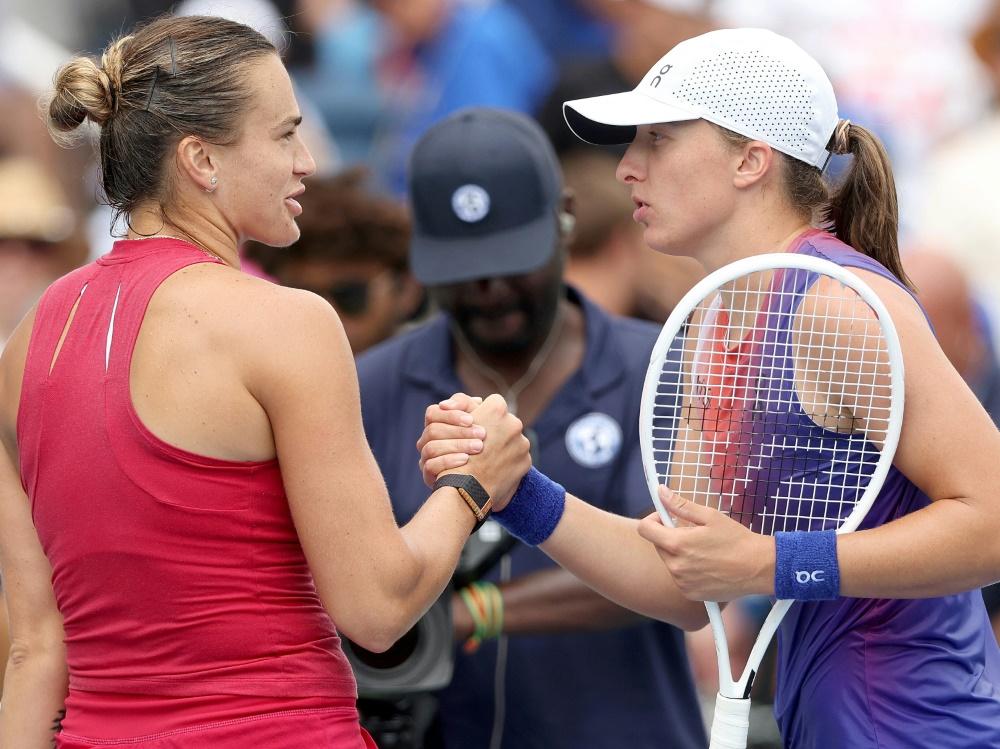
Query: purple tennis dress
888,674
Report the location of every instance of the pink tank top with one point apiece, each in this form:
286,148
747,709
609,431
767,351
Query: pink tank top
178,575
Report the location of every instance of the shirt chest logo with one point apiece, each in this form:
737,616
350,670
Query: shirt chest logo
594,440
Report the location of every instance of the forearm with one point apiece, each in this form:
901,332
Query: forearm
548,602
606,552
33,698
434,538
942,549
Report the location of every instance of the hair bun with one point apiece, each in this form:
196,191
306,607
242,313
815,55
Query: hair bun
82,90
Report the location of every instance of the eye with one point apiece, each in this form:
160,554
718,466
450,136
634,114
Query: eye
657,135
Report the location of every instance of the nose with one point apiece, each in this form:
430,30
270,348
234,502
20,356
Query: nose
630,168
486,292
494,286
305,165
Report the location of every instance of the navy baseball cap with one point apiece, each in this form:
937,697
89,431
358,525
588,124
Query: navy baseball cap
485,188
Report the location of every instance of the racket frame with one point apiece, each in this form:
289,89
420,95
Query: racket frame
739,689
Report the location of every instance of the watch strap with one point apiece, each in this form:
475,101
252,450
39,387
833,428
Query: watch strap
475,496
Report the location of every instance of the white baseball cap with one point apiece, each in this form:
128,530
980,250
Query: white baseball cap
751,81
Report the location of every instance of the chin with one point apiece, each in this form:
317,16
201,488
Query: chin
666,245
287,236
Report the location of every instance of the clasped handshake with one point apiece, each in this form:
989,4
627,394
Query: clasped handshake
455,441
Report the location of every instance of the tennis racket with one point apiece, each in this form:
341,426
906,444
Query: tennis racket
775,395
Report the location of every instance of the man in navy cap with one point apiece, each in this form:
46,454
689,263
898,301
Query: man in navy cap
546,662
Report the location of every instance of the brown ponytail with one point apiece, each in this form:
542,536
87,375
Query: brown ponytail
862,211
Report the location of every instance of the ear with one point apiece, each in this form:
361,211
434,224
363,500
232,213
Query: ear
757,159
195,161
567,215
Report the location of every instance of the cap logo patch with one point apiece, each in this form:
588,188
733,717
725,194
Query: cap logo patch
471,203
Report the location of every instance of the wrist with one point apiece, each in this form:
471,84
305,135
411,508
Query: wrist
535,509
461,621
763,579
806,566
484,604
472,493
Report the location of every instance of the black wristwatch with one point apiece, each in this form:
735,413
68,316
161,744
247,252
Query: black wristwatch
475,496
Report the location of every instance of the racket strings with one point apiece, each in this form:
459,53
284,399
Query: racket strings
773,402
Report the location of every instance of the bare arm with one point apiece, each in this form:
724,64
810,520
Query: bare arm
607,552
35,682
374,578
950,449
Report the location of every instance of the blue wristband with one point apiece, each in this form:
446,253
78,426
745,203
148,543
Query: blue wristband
806,566
535,509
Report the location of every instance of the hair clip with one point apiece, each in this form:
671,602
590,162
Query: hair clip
156,78
172,46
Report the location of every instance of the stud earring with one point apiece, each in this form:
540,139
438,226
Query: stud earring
215,182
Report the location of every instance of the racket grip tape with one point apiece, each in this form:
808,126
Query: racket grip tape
731,723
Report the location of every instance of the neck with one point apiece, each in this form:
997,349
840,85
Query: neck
213,239
754,233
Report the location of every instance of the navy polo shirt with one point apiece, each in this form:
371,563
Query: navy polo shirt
628,687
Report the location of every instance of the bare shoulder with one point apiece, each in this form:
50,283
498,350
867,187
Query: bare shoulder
899,302
245,310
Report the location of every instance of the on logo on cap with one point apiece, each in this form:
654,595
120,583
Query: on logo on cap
471,203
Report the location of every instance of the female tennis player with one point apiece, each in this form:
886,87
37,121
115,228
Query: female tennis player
197,504
729,134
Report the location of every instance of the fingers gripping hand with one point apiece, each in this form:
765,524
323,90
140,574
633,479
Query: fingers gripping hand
449,436
505,456
458,402
710,556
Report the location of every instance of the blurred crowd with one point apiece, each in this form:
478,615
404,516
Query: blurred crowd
373,75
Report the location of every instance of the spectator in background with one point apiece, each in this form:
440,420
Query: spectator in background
960,188
38,239
962,330
353,253
552,664
431,58
608,259
947,296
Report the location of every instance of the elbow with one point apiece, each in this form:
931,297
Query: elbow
690,617
36,652
375,627
694,623
375,636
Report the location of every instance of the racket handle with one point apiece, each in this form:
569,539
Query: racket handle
731,723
